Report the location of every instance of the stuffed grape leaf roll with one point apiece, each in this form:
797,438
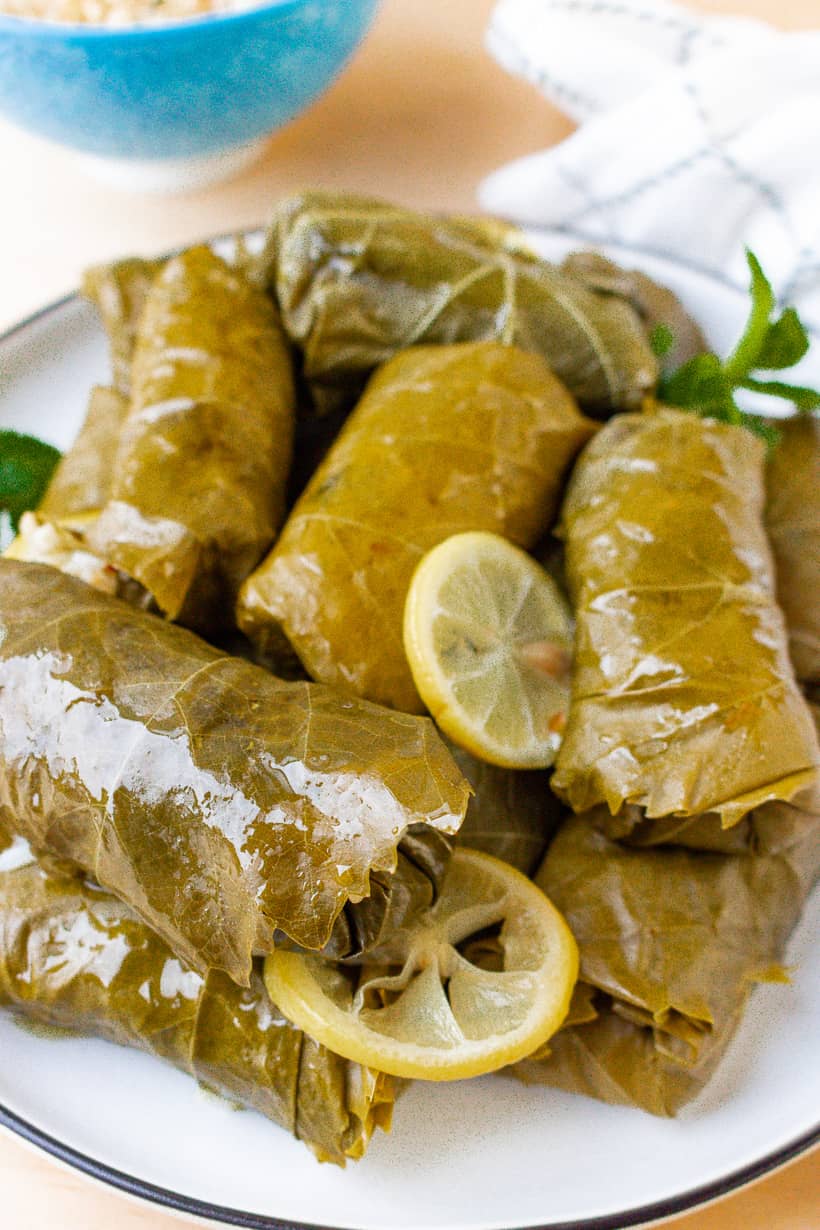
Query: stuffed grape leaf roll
358,279
619,1057
671,941
74,957
770,827
683,696
476,436
55,533
656,305
394,897
82,481
220,802
793,523
512,813
119,292
198,489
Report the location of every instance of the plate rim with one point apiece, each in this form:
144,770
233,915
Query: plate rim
204,1210
191,1206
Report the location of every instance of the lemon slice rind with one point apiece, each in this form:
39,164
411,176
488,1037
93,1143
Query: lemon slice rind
519,1007
504,706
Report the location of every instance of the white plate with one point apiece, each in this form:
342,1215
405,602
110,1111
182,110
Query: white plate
479,1155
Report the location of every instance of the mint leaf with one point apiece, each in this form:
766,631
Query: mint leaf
661,340
706,385
702,385
26,466
785,343
804,399
744,358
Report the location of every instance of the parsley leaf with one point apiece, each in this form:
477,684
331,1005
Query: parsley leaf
707,384
26,465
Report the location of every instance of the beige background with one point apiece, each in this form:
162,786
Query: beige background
421,114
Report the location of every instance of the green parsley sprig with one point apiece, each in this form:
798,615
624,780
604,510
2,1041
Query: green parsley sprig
707,385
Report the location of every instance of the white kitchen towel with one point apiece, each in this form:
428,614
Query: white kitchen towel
699,136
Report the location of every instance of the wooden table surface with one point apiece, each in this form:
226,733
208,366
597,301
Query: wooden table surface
421,114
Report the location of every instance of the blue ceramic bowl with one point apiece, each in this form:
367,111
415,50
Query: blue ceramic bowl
175,90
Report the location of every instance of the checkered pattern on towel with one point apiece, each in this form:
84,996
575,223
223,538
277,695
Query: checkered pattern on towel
697,136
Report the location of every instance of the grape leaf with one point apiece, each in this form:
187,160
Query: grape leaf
272,805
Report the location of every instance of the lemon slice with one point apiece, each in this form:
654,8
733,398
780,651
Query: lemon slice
482,979
488,637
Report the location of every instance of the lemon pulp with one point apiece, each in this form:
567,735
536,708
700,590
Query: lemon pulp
488,637
482,979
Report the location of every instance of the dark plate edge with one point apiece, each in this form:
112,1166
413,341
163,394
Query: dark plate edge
39,315
149,1193
189,1205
